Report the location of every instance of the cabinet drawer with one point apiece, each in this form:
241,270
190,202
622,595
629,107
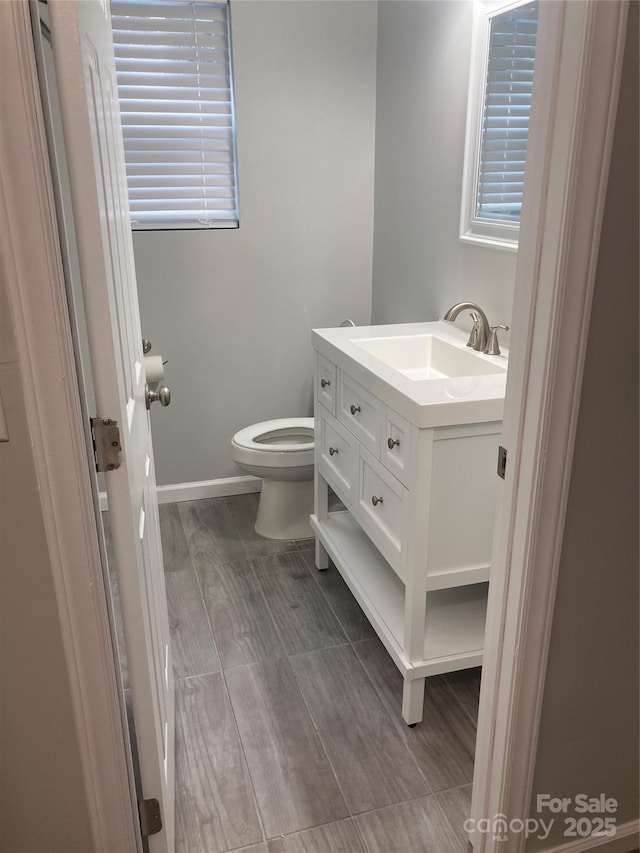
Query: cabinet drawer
360,412
383,510
396,452
326,383
337,455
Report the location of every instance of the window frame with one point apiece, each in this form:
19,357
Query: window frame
483,231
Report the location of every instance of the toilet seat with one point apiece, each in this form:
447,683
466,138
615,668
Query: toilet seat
280,443
283,435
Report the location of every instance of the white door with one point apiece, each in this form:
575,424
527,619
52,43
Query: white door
87,92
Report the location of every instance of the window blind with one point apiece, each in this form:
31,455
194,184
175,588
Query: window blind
176,100
505,122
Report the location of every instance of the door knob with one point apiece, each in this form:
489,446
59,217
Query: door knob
162,395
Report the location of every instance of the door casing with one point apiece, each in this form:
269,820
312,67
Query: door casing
31,266
571,135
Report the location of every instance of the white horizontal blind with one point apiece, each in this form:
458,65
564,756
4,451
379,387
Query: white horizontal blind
505,123
176,100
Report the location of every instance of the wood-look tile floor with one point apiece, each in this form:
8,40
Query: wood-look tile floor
289,737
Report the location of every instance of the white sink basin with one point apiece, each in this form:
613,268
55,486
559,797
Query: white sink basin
423,371
421,357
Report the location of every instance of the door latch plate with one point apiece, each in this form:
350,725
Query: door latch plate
502,461
150,816
106,444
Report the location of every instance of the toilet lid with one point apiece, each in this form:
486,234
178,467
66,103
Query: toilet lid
282,435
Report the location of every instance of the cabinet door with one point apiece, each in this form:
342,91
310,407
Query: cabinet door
396,450
360,412
337,454
326,383
383,511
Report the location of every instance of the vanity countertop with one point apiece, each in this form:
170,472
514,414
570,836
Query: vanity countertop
426,402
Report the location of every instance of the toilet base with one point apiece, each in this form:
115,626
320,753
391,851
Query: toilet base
284,509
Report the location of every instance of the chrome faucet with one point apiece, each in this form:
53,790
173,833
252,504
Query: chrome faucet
479,337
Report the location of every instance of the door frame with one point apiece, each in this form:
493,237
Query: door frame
566,183
31,266
568,160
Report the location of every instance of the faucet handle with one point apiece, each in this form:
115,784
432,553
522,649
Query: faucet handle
493,347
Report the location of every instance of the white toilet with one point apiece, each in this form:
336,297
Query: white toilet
281,453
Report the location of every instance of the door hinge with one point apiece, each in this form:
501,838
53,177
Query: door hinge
502,461
150,816
106,443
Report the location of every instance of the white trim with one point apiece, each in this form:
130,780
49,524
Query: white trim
488,242
572,122
615,844
211,225
32,268
222,488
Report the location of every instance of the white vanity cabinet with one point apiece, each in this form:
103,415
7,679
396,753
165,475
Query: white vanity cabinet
414,542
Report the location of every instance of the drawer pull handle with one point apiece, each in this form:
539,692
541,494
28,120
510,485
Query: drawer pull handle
354,409
332,450
325,382
392,442
375,501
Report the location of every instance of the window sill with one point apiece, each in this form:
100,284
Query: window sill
490,242
185,226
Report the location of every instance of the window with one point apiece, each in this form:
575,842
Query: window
176,99
502,59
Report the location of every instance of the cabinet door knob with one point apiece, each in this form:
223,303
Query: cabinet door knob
325,382
354,409
332,450
375,500
392,442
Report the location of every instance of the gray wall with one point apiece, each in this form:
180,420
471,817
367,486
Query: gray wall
42,801
233,310
589,732
420,267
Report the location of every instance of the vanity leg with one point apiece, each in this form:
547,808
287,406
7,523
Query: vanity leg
412,701
321,509
322,558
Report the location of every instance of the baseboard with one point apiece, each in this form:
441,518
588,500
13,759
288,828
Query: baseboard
221,488
625,840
